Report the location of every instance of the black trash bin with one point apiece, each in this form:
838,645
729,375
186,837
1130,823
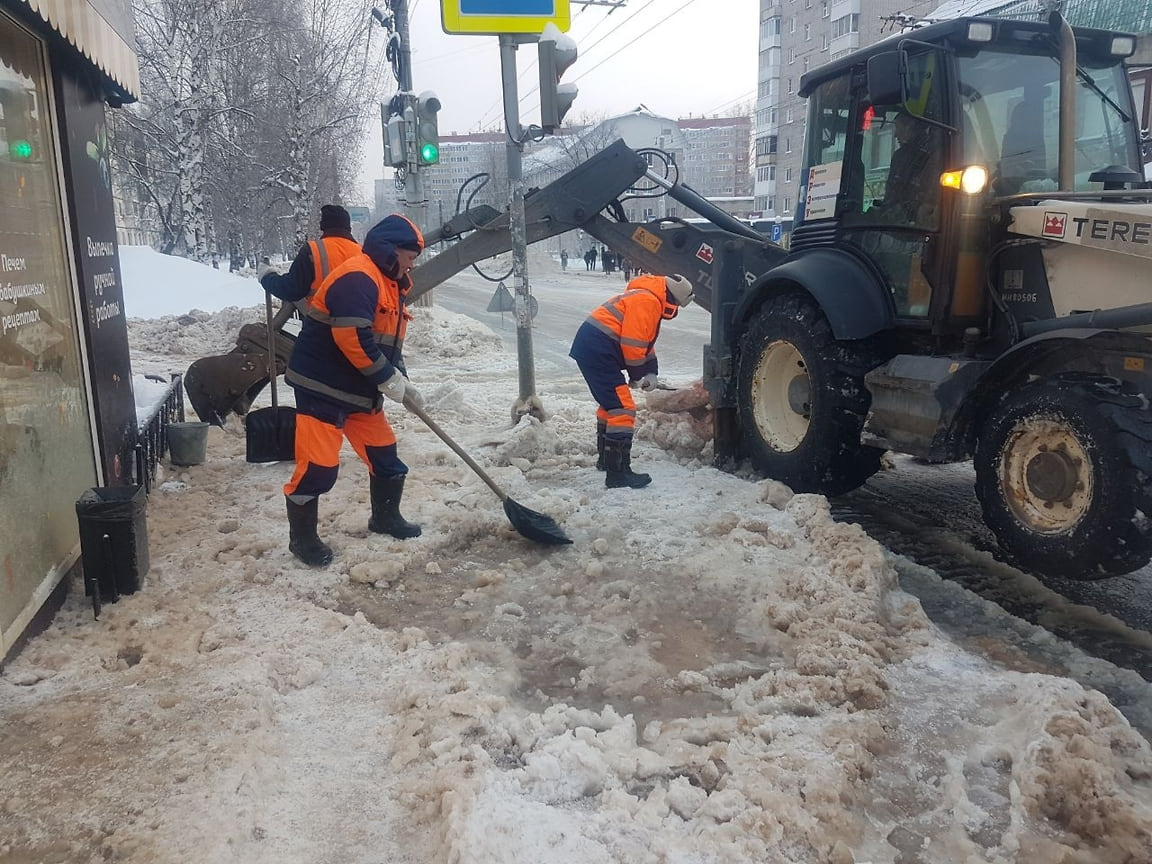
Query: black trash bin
113,539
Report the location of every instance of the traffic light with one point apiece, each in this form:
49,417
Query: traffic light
557,52
427,128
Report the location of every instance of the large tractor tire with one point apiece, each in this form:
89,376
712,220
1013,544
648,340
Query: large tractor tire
802,399
1058,479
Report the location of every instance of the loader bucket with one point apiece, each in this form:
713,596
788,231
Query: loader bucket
229,383
219,386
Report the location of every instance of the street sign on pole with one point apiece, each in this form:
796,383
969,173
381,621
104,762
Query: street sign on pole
496,17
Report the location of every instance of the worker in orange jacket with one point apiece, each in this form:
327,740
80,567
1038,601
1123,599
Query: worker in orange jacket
619,338
347,357
315,260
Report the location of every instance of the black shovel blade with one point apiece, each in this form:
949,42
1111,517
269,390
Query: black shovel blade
271,435
535,526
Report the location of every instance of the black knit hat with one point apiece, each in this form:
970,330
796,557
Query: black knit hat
333,217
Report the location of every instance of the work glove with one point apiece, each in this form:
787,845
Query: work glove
263,271
648,382
396,387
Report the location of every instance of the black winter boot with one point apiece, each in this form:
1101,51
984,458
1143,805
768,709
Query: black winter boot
386,518
601,432
618,462
303,542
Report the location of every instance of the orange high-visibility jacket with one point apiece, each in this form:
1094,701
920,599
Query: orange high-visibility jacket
353,333
627,326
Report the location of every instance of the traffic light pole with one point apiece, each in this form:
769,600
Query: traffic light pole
528,403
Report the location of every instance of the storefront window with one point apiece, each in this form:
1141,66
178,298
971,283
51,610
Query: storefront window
46,454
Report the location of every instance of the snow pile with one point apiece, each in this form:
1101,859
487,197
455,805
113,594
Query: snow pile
193,334
155,284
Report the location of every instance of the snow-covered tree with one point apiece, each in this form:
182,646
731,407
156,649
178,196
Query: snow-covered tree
252,114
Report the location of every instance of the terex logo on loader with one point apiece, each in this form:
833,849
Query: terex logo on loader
1055,224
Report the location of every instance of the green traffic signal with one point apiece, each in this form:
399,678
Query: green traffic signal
427,129
20,149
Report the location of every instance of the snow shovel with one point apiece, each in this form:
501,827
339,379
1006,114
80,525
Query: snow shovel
535,526
271,432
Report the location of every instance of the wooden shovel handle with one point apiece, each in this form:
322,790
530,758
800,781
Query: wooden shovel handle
271,346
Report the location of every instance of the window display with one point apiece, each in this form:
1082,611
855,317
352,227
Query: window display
46,453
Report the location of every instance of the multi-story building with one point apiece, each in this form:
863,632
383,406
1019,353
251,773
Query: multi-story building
462,158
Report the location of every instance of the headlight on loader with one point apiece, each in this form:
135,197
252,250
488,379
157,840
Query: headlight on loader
970,180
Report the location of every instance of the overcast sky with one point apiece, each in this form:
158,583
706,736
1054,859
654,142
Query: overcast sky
678,57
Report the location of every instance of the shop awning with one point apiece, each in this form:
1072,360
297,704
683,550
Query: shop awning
101,30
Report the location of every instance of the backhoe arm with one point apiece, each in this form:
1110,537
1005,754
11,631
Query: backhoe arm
563,205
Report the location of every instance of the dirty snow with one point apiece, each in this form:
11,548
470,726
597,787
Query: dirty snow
715,670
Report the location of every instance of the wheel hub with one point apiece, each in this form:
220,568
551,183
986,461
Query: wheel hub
1052,476
1047,476
800,395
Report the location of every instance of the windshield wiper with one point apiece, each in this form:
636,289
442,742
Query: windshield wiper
1091,82
1083,75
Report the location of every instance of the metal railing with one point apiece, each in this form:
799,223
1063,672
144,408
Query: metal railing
152,434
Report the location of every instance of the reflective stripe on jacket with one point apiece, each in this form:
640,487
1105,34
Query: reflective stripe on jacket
352,334
328,253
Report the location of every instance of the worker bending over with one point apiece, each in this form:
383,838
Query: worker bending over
619,338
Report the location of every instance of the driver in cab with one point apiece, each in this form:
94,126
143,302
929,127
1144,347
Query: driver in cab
912,189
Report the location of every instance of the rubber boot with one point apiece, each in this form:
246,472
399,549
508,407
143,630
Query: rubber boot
303,542
601,432
618,463
386,518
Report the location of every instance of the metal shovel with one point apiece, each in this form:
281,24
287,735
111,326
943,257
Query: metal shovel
535,526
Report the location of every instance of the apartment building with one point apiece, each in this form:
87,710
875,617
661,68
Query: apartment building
463,157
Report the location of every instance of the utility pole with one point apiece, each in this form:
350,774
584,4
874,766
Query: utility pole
528,402
415,203
410,126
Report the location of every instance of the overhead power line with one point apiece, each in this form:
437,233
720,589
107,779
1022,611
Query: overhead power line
634,41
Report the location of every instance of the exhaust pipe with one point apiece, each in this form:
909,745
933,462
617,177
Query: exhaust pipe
1067,41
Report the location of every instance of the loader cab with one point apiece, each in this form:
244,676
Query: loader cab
892,130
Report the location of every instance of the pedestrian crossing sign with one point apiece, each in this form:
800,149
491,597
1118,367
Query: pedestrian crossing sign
504,16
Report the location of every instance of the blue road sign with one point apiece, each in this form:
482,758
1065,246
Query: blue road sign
777,232
503,16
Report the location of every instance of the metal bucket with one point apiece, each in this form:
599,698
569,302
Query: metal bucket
187,443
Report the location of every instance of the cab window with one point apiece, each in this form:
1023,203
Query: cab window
1011,108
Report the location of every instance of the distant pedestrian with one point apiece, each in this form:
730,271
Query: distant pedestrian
563,260
592,258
